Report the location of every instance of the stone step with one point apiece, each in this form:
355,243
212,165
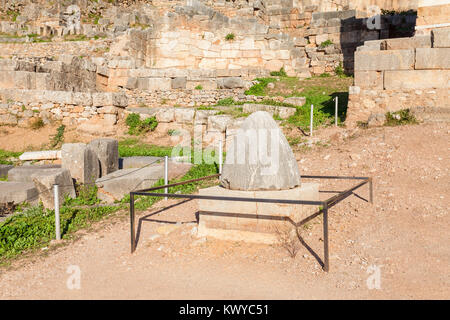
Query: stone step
24,173
18,192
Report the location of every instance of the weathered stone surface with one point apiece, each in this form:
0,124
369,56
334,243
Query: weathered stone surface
24,173
119,183
81,161
165,115
432,58
416,79
296,101
18,192
384,60
407,43
441,37
218,123
44,182
107,151
184,115
252,221
260,157
137,162
179,83
369,79
4,169
41,155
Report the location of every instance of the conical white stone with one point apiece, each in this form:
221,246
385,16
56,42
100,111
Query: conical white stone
259,157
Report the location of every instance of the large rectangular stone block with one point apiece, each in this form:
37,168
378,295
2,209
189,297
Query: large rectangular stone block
18,192
107,151
384,60
441,37
81,161
422,41
24,173
416,79
253,221
432,58
369,79
46,179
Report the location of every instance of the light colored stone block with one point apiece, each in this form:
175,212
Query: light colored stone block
252,221
184,115
416,79
441,37
107,151
384,60
432,58
18,192
44,182
369,79
41,155
81,161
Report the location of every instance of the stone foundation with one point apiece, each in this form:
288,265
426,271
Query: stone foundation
252,221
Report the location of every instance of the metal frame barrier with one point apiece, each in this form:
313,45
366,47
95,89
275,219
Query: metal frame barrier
325,205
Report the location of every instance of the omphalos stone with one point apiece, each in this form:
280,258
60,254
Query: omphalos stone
259,157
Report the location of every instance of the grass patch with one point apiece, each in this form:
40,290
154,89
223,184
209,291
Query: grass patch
58,138
5,155
199,87
136,126
133,147
281,73
34,227
226,102
259,89
236,112
400,118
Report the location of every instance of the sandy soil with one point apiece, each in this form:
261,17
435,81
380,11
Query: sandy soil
405,233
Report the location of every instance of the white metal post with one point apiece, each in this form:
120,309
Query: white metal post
336,111
312,121
220,155
166,174
57,220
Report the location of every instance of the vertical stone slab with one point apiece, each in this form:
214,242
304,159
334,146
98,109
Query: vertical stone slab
107,151
81,161
44,182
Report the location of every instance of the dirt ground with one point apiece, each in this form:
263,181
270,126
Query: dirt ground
405,235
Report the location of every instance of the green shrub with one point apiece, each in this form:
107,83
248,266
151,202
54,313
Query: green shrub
58,138
136,126
326,43
226,102
259,89
230,37
281,73
5,155
325,75
199,87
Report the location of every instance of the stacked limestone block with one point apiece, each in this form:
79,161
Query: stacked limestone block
396,74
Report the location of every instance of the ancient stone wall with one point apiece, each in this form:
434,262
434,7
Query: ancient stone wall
396,74
21,107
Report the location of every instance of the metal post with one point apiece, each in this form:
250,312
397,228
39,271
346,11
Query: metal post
57,220
166,174
311,122
336,111
371,189
326,263
220,156
133,237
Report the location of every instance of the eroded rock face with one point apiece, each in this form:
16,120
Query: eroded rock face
260,158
